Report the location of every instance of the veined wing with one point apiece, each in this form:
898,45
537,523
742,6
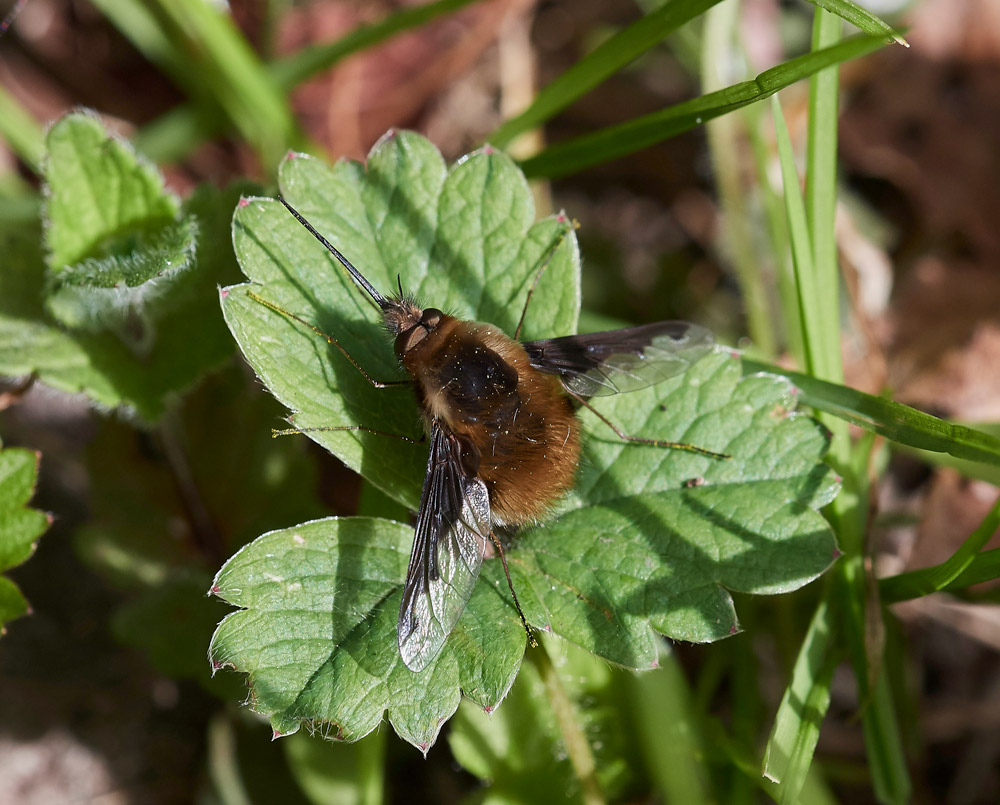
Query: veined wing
453,525
600,364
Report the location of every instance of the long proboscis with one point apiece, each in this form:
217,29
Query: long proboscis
356,275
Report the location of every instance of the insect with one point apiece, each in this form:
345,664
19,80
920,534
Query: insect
504,438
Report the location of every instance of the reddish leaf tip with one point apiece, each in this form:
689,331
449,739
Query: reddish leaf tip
244,201
654,665
489,149
216,589
837,553
488,709
224,293
290,154
734,629
562,218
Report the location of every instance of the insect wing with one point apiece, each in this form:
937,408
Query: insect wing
453,525
615,361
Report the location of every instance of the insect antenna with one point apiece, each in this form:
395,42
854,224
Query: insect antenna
356,275
527,629
691,448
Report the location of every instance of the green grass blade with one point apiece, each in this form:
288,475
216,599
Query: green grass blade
810,316
293,70
803,707
606,60
137,21
672,748
984,567
617,141
725,136
235,78
21,131
863,19
895,421
883,745
929,580
821,207
171,136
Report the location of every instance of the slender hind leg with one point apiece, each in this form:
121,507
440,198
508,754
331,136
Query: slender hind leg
691,448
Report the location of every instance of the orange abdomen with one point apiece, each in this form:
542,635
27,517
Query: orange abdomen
480,383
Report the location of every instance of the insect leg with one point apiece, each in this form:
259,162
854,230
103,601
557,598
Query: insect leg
378,384
538,275
691,448
527,629
275,433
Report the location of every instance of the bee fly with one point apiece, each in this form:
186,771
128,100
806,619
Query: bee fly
504,437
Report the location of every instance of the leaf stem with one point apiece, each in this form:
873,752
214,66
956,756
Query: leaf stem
577,746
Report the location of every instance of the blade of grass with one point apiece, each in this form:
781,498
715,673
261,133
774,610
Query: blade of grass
890,777
724,137
293,70
617,141
660,703
803,707
808,303
236,79
984,567
895,421
604,61
171,136
861,18
929,580
136,20
21,131
777,229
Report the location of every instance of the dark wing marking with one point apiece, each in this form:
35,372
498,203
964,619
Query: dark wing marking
599,364
453,525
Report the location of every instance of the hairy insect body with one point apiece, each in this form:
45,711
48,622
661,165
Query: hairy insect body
518,430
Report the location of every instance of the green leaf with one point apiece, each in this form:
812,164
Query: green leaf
608,58
657,538
617,141
102,293
649,541
317,634
20,526
159,353
99,192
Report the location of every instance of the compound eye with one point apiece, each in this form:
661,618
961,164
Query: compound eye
431,317
408,339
